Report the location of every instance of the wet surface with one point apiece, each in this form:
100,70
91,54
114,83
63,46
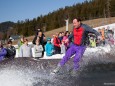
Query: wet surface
95,70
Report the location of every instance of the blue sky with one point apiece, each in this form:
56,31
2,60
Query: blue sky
14,10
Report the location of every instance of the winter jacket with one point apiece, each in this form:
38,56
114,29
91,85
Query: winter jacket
49,48
11,52
92,42
80,34
38,50
67,43
56,42
42,42
3,53
20,43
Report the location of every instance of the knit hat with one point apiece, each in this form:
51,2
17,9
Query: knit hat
48,39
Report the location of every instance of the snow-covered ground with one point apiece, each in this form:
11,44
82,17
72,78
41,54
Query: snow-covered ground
111,26
87,52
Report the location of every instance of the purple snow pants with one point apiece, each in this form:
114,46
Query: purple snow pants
74,49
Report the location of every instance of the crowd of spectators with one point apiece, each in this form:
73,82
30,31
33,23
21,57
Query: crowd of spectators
54,45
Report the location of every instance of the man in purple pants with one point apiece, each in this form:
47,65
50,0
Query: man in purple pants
79,35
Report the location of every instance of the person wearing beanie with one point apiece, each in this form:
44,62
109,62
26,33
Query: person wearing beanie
49,48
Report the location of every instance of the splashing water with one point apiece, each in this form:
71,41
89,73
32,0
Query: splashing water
98,66
12,77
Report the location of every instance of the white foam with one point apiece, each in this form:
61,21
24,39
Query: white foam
16,77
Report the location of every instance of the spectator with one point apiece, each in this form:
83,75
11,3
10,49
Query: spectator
103,35
92,42
52,39
60,36
63,48
57,43
106,35
3,52
70,40
110,38
20,42
49,48
37,31
38,49
62,33
106,32
11,51
100,41
42,40
65,37
25,50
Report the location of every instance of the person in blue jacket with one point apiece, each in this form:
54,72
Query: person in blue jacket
49,48
3,51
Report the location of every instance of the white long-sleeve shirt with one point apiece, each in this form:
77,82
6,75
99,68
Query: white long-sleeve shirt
25,51
38,50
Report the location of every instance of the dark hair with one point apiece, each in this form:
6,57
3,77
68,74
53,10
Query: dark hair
38,31
78,19
66,33
26,40
9,42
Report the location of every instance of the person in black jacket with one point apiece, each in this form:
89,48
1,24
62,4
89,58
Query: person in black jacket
11,51
42,39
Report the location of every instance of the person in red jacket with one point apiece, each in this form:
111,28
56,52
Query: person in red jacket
79,35
56,43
